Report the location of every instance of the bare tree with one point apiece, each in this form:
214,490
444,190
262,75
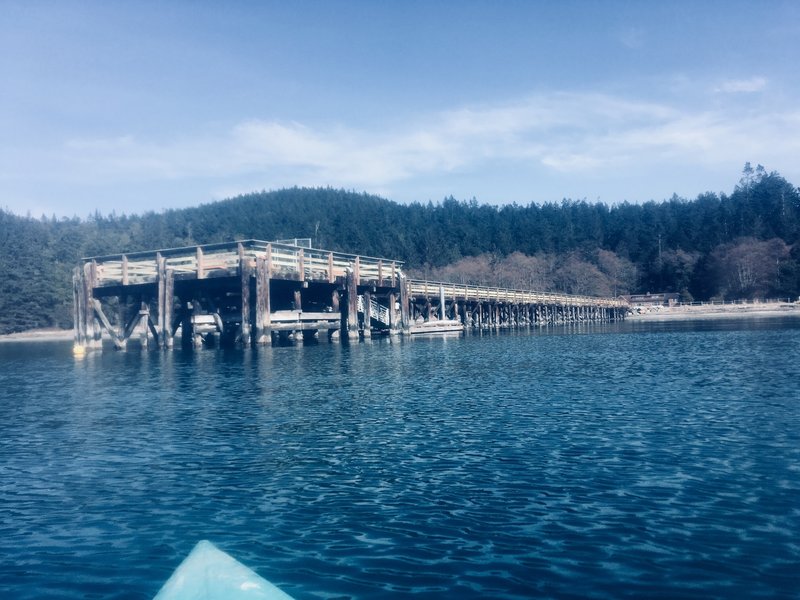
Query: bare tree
748,268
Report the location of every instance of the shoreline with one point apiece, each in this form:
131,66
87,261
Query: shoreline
38,335
717,311
656,313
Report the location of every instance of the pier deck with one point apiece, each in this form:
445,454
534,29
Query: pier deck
251,291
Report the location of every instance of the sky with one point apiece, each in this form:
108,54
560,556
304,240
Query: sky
135,106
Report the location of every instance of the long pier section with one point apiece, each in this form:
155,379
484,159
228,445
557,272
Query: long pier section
257,292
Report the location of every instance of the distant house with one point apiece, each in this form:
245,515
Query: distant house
648,299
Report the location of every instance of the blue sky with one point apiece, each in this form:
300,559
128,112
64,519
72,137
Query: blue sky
135,106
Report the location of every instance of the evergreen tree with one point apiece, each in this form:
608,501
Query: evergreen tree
708,247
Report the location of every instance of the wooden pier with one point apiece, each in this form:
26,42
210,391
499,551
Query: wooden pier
256,292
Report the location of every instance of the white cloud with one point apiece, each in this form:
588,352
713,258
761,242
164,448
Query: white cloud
561,132
739,86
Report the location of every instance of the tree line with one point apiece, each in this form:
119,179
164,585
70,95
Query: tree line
716,246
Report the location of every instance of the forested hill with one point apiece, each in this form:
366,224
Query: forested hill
740,245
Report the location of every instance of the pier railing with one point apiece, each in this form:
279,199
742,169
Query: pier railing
284,261
477,293
287,261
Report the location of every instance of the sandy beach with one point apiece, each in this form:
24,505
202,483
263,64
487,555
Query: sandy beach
716,311
38,335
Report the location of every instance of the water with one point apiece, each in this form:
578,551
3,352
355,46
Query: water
657,461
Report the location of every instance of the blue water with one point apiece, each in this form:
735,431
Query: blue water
658,461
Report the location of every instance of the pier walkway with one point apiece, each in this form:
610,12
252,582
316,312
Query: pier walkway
254,291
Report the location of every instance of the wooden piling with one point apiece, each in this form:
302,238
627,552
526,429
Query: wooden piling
263,321
91,332
301,265
78,310
169,304
124,269
186,324
197,310
201,266
367,314
405,308
75,307
350,322
243,336
335,334
161,282
393,324
144,322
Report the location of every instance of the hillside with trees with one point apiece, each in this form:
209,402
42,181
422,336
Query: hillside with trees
717,246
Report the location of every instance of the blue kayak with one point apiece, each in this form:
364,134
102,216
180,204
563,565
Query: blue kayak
210,574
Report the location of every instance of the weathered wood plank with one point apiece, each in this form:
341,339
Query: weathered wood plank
161,283
405,304
135,318
244,328
201,264
301,265
119,343
124,269
169,303
297,316
78,312
367,314
144,323
152,326
350,326
392,312
263,317
90,331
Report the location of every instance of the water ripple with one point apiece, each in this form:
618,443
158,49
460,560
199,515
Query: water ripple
662,463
